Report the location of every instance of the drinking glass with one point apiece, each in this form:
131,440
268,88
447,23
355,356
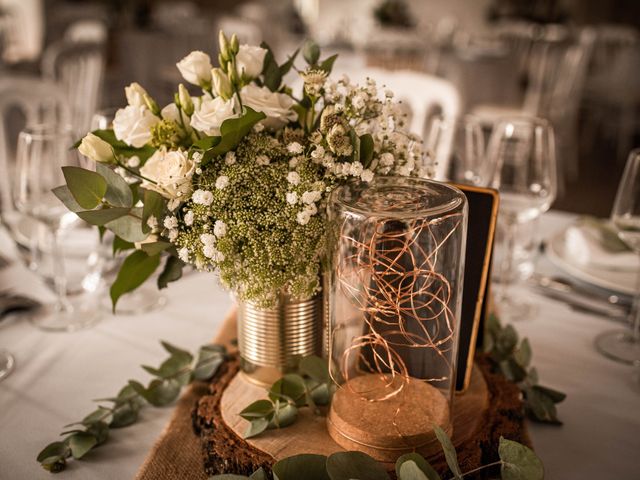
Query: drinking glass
460,144
521,152
146,297
624,345
6,364
42,151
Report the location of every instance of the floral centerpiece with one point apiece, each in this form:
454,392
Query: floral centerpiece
235,179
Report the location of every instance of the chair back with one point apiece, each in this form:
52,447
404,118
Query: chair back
78,68
24,101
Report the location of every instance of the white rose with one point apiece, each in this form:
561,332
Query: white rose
133,125
135,95
95,148
250,60
196,68
171,172
276,106
210,113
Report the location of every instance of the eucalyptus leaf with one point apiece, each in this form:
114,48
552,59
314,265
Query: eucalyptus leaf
87,187
124,416
319,392
314,367
118,191
154,248
121,148
80,443
506,340
420,463
290,386
256,427
366,150
129,226
208,362
100,415
135,269
55,449
173,350
100,430
540,406
64,195
409,470
153,205
259,474
284,415
519,462
354,466
554,395
450,454
103,215
162,392
298,467
120,245
258,409
227,476
523,354
171,272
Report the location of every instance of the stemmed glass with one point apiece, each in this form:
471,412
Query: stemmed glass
522,154
6,364
624,345
41,153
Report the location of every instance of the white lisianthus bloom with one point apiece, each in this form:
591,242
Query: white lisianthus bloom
366,176
133,125
221,182
292,198
293,178
171,112
169,174
276,106
170,222
202,197
196,68
220,228
188,218
96,149
183,254
250,60
210,113
135,95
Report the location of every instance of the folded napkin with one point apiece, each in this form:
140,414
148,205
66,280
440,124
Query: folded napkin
594,243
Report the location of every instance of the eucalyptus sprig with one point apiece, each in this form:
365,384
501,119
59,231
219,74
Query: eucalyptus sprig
513,358
178,370
516,462
307,388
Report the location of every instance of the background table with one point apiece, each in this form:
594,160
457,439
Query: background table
57,375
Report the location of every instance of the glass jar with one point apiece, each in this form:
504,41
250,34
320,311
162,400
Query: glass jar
397,267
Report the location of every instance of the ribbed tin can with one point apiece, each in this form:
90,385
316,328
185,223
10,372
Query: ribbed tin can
272,341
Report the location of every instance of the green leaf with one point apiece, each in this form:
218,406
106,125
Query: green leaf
120,245
290,386
55,449
136,268
153,205
284,415
80,443
162,392
355,142
227,476
327,64
506,340
118,191
100,415
64,195
319,392
256,427
172,271
174,364
354,466
519,462
314,367
210,357
232,131
124,416
259,474
512,370
286,66
270,70
301,467
540,406
523,354
173,350
554,395
100,430
449,451
121,148
129,227
258,409
415,461
103,215
311,52
366,149
87,187
155,248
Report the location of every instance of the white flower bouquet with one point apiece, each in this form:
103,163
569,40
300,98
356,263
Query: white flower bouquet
235,180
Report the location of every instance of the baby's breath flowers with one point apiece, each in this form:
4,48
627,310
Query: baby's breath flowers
236,180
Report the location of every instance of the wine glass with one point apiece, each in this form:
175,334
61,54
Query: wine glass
146,297
42,151
6,363
624,345
521,152
460,144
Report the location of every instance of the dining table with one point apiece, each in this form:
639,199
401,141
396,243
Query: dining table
57,376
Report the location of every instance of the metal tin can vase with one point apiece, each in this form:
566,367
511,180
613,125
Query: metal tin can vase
397,255
272,340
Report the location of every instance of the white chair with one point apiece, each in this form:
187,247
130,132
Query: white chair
426,96
24,101
78,68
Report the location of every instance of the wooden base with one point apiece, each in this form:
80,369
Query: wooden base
310,434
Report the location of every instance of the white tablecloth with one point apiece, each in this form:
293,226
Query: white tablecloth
57,375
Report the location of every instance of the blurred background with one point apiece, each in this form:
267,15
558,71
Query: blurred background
573,62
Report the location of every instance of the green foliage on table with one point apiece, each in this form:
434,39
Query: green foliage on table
517,462
307,388
122,410
513,358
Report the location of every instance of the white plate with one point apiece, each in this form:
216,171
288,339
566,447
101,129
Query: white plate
620,281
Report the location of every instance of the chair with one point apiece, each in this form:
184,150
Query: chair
78,68
24,100
425,97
